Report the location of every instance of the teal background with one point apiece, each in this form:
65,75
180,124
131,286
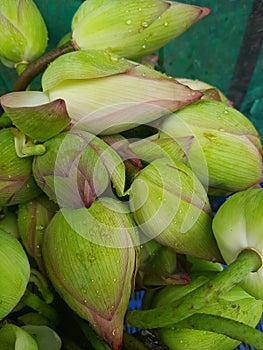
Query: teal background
208,51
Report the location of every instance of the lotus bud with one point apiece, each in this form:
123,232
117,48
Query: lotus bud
133,94
17,184
14,272
210,92
90,257
226,151
170,205
237,226
83,164
235,304
160,268
33,218
19,38
132,29
8,223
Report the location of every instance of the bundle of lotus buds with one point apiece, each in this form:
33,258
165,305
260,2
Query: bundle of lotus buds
108,174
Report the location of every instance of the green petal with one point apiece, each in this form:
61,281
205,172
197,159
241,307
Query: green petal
34,115
14,271
83,65
13,337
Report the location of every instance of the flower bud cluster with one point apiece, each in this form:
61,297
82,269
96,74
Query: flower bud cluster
107,176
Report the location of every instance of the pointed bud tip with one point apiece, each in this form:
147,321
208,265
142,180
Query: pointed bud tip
204,11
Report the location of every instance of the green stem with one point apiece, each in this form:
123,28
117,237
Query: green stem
96,342
36,150
39,280
35,303
132,343
248,261
38,66
231,328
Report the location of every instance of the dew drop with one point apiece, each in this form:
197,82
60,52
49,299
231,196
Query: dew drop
165,24
114,58
113,332
128,21
144,24
139,9
144,46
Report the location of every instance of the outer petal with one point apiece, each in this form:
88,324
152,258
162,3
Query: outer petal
238,225
14,270
34,115
137,97
83,64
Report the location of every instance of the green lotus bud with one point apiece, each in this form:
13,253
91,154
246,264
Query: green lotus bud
131,28
23,37
33,218
235,304
17,184
8,223
237,226
83,164
133,94
90,257
170,205
15,338
226,151
14,272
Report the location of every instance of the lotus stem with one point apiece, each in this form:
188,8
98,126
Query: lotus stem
39,280
231,328
247,261
38,66
132,343
96,342
35,303
36,150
